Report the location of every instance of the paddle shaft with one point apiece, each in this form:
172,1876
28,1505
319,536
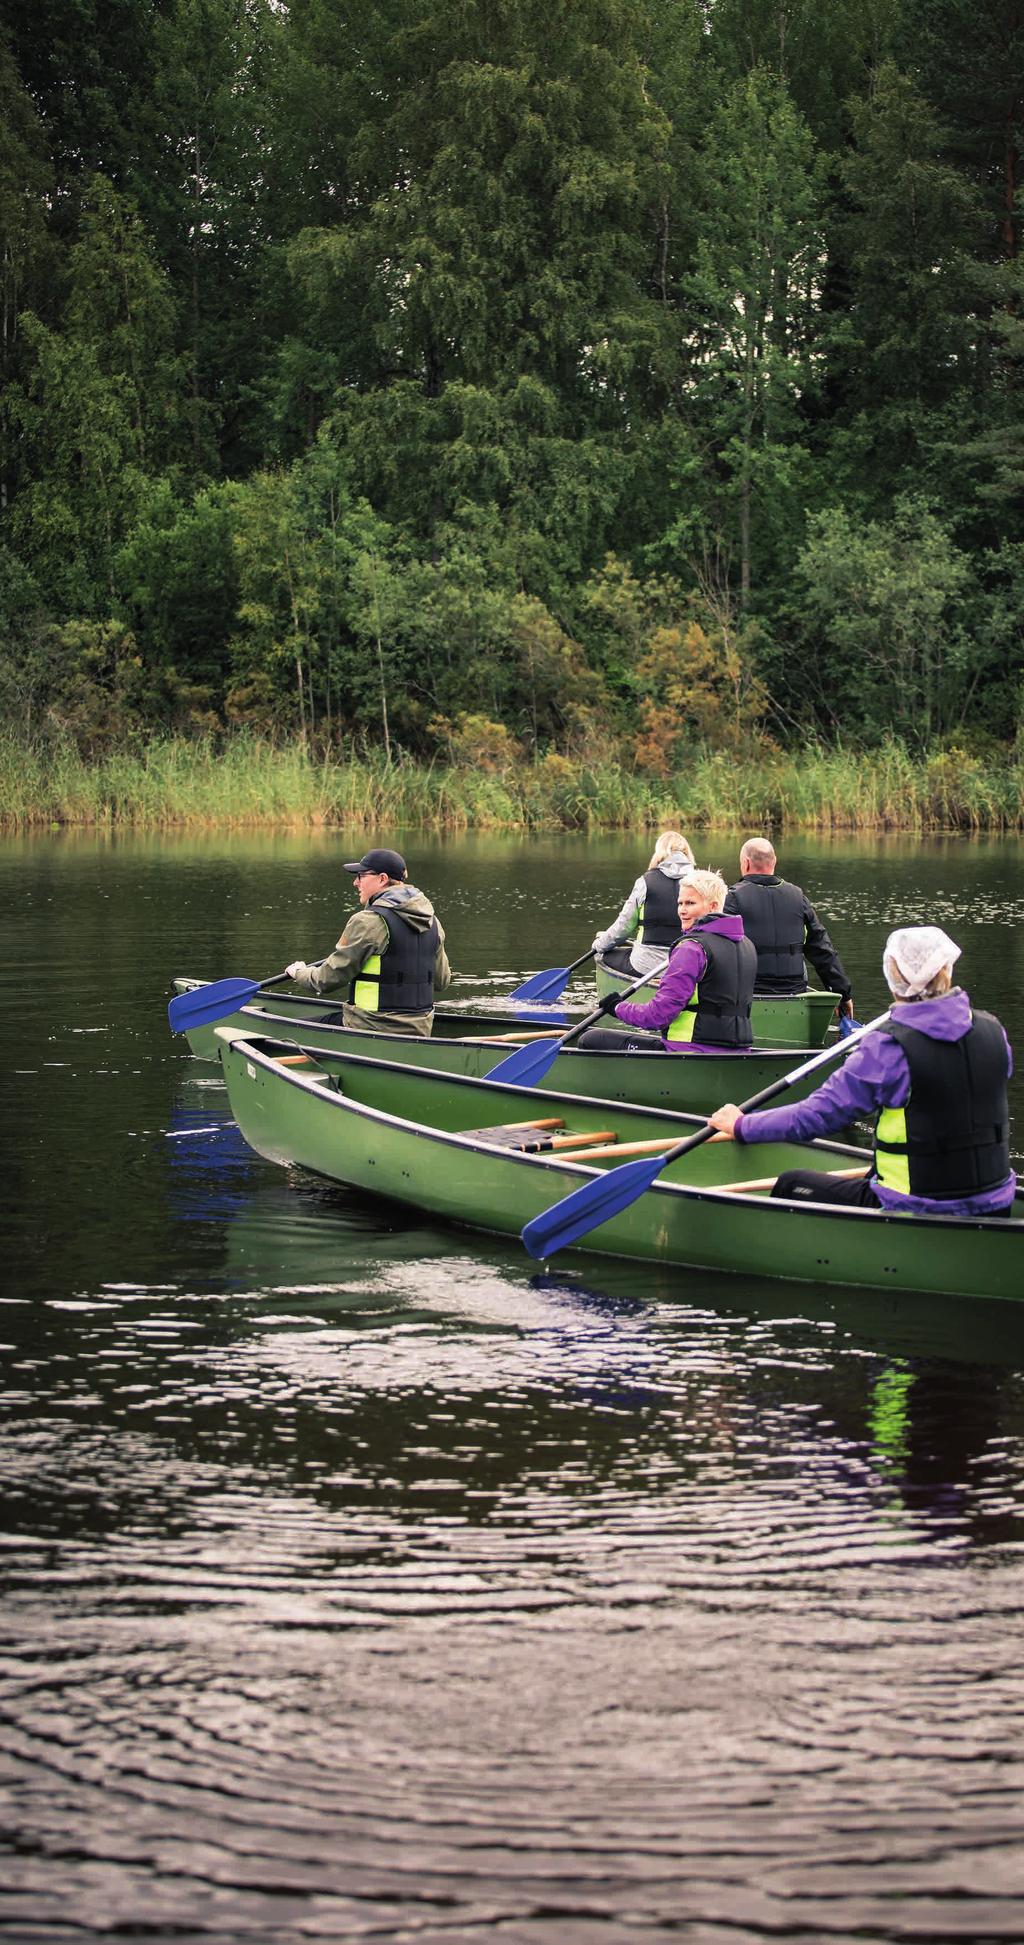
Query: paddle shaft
205,1005
599,1012
598,1201
531,1063
556,978
838,1049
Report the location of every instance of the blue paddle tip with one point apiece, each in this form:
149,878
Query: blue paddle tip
588,1207
526,1065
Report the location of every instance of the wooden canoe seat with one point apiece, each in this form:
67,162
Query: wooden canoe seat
529,1136
536,1137
514,1039
514,1127
622,1148
333,1081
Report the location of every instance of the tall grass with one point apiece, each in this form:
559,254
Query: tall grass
247,783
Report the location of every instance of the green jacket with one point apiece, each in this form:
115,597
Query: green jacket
365,933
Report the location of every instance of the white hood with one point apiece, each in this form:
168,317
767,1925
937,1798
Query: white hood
676,866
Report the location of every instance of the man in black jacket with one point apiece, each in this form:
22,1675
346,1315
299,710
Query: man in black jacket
783,925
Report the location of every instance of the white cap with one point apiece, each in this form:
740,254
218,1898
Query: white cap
913,956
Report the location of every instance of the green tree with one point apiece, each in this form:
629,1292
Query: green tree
95,405
820,49
968,62
79,478
276,650
889,600
177,579
488,279
88,69
910,351
120,305
25,250
753,297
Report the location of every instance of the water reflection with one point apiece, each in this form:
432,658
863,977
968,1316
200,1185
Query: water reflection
362,1583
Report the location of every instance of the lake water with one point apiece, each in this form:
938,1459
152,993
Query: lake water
361,1583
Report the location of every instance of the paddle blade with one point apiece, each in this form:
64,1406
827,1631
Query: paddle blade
848,1025
209,1003
587,1208
527,1065
548,985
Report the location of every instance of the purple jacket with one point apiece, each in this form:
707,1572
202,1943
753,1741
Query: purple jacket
876,1076
687,964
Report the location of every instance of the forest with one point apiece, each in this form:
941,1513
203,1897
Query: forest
489,384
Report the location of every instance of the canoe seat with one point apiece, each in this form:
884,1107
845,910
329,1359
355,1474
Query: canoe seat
619,1149
333,1081
536,1137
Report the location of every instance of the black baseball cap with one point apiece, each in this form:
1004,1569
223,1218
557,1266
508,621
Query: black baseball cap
391,863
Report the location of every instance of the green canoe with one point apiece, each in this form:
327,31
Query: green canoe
440,1143
782,1020
687,1083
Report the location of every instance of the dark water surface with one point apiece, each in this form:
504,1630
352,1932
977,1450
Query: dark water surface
361,1583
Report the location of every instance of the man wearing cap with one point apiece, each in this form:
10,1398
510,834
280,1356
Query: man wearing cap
934,1080
784,928
390,959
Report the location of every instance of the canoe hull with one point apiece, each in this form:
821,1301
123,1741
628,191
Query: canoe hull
797,1020
400,1132
685,1083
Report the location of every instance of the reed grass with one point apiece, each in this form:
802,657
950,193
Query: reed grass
246,783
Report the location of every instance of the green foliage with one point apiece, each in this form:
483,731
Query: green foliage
25,248
84,684
752,315
80,484
537,390
888,598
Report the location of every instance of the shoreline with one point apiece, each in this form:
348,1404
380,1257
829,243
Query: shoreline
245,784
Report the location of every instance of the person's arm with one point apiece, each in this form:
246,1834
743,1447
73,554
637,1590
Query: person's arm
821,953
442,970
685,969
874,1076
628,922
365,933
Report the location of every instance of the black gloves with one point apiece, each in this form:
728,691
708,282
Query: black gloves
609,1002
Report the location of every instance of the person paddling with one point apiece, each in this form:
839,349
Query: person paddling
934,1077
390,958
703,997
784,927
640,939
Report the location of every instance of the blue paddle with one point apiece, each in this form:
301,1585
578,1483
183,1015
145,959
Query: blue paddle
597,1201
530,1064
549,985
206,1004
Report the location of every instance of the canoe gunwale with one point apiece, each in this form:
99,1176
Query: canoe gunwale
505,1023
263,1022
248,1046
786,1056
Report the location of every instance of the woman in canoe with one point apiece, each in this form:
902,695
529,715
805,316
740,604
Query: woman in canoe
934,1080
703,997
640,939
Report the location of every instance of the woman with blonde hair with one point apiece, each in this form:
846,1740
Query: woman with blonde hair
649,918
934,1079
703,998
